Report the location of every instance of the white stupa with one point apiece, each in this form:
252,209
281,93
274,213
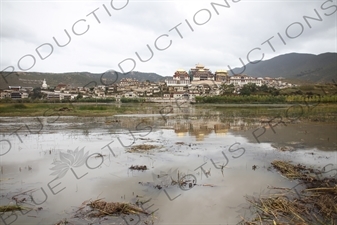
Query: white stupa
44,84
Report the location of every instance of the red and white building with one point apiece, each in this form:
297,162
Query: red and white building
240,80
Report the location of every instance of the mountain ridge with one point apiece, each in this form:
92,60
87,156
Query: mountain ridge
303,67
76,79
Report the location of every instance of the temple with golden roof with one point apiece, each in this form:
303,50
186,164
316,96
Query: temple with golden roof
221,75
181,75
201,73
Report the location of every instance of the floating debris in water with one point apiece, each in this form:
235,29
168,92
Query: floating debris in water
144,167
12,208
143,147
284,148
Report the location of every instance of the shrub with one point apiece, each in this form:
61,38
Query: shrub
132,100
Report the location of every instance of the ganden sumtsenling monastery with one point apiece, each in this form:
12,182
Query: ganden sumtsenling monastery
200,79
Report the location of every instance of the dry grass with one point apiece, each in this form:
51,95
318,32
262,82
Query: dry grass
94,211
103,208
284,148
294,171
142,148
276,208
11,208
315,204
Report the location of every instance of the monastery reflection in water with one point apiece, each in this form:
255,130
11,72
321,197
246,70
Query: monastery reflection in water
201,128
201,123
189,121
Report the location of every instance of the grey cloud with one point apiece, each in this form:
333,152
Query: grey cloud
220,42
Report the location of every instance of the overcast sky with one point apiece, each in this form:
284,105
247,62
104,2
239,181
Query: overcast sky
217,40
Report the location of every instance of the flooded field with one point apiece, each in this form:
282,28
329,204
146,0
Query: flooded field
182,165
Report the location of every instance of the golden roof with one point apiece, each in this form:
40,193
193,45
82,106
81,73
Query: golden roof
221,71
181,134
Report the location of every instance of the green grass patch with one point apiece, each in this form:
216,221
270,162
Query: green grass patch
265,99
268,99
132,100
92,107
19,106
65,109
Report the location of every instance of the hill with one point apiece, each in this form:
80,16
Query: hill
76,79
295,66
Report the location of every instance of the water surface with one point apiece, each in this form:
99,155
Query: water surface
218,151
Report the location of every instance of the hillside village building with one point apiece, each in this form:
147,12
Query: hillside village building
16,92
240,80
180,79
129,82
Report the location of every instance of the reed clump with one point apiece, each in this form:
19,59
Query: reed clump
314,203
142,148
11,208
102,208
